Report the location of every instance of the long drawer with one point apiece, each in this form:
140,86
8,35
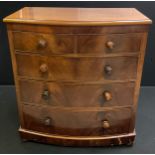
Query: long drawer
85,44
76,68
77,123
56,94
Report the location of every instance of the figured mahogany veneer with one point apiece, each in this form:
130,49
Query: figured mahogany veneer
77,73
43,43
64,44
60,94
75,122
109,44
76,68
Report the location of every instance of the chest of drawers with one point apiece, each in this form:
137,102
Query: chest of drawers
77,73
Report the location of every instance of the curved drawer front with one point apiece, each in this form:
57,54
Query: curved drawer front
86,44
110,44
43,43
61,68
76,95
77,123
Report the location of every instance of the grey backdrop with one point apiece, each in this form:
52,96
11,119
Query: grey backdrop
148,8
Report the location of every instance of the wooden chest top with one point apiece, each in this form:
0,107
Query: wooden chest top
78,16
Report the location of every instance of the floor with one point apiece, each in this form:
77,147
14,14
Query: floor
10,141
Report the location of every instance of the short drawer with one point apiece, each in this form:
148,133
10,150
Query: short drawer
77,123
76,68
43,43
54,94
109,44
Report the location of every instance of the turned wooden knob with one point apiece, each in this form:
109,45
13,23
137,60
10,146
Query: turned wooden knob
107,95
45,95
108,69
42,43
47,121
110,44
106,124
43,68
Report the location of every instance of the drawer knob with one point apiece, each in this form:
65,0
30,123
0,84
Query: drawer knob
108,69
43,68
47,121
110,44
45,95
107,96
42,43
106,124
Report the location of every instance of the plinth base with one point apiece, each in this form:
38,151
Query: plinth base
125,139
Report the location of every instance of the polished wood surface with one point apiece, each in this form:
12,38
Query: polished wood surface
77,82
85,69
82,141
58,94
56,29
43,43
78,16
67,44
109,44
75,122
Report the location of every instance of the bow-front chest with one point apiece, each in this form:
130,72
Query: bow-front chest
77,73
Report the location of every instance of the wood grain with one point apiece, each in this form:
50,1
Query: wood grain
77,73
54,44
78,16
122,43
78,30
84,69
14,65
76,123
75,95
64,44
126,139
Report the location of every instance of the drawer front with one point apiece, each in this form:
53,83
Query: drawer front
76,95
43,43
77,123
61,68
109,44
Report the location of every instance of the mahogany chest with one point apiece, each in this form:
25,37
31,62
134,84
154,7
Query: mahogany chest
77,73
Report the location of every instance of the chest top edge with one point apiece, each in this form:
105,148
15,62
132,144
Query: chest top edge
78,16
